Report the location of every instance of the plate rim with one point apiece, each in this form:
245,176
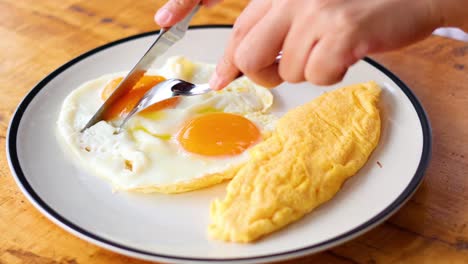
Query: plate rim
57,218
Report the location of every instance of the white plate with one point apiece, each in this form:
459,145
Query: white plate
172,228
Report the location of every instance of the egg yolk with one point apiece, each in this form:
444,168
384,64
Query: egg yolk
125,103
218,134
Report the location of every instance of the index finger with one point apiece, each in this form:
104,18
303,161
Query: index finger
226,71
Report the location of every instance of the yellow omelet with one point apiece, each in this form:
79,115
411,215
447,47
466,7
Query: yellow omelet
303,164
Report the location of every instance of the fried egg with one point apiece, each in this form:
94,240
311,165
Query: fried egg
182,144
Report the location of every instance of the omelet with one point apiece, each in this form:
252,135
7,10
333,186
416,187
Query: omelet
303,163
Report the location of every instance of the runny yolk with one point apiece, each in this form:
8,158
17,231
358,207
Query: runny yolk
126,103
218,134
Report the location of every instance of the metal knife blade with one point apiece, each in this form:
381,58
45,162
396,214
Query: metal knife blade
166,38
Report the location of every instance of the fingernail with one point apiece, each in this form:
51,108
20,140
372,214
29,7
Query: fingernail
163,17
215,81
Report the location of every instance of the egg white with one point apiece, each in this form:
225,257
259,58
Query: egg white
146,156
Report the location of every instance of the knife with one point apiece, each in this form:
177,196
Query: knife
166,38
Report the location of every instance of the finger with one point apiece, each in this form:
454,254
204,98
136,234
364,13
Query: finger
226,71
329,59
297,46
174,11
267,77
257,52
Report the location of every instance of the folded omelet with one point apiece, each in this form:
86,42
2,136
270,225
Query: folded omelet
303,164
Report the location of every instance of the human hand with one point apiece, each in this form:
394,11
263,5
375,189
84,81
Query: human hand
319,39
175,10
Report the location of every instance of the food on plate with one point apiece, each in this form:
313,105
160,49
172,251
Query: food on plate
302,164
281,168
182,144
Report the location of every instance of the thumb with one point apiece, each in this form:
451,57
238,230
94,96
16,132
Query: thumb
174,11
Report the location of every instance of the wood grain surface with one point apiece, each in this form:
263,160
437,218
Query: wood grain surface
38,36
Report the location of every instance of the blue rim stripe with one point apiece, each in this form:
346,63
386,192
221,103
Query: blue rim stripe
15,165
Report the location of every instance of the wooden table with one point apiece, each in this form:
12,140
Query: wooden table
38,36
